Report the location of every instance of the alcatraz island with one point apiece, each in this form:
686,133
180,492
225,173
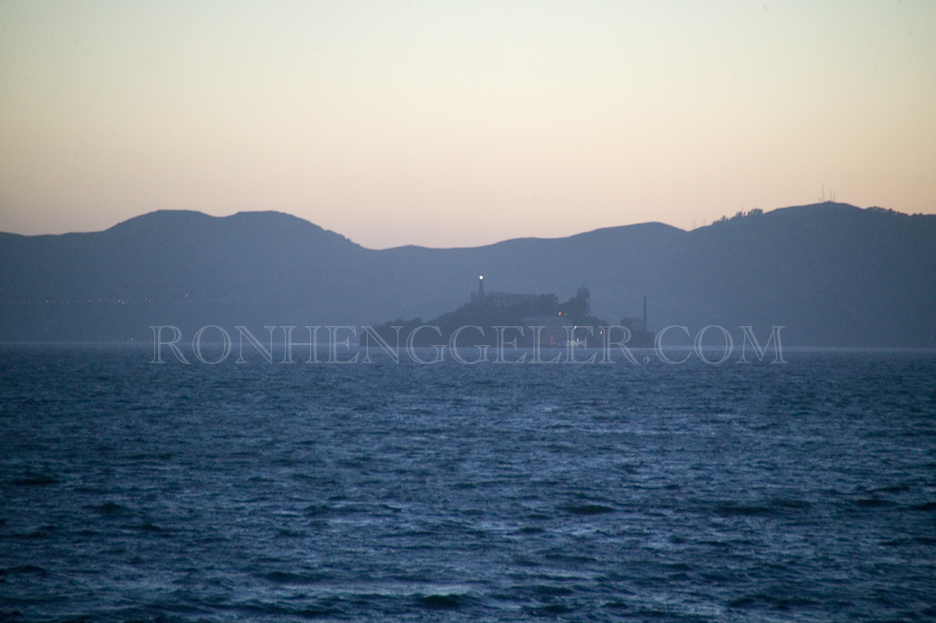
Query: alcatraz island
532,319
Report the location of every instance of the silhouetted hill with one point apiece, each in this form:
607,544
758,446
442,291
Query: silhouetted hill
833,274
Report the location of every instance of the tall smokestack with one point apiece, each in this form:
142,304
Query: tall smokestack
645,312
481,286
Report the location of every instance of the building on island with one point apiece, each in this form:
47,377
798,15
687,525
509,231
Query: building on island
500,299
536,319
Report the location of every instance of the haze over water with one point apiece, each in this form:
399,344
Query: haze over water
132,491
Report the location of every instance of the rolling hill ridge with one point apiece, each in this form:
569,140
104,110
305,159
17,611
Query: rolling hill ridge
832,274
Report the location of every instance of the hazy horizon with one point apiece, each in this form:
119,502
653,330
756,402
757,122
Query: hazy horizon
407,244
455,126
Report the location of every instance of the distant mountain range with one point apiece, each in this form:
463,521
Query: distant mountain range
832,274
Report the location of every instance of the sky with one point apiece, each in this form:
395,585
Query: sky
449,124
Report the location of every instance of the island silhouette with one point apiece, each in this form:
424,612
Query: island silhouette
534,320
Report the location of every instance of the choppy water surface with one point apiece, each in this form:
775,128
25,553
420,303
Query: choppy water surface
798,492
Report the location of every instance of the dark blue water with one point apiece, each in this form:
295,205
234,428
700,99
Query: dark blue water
397,492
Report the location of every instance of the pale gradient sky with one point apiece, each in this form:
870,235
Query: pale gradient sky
459,124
